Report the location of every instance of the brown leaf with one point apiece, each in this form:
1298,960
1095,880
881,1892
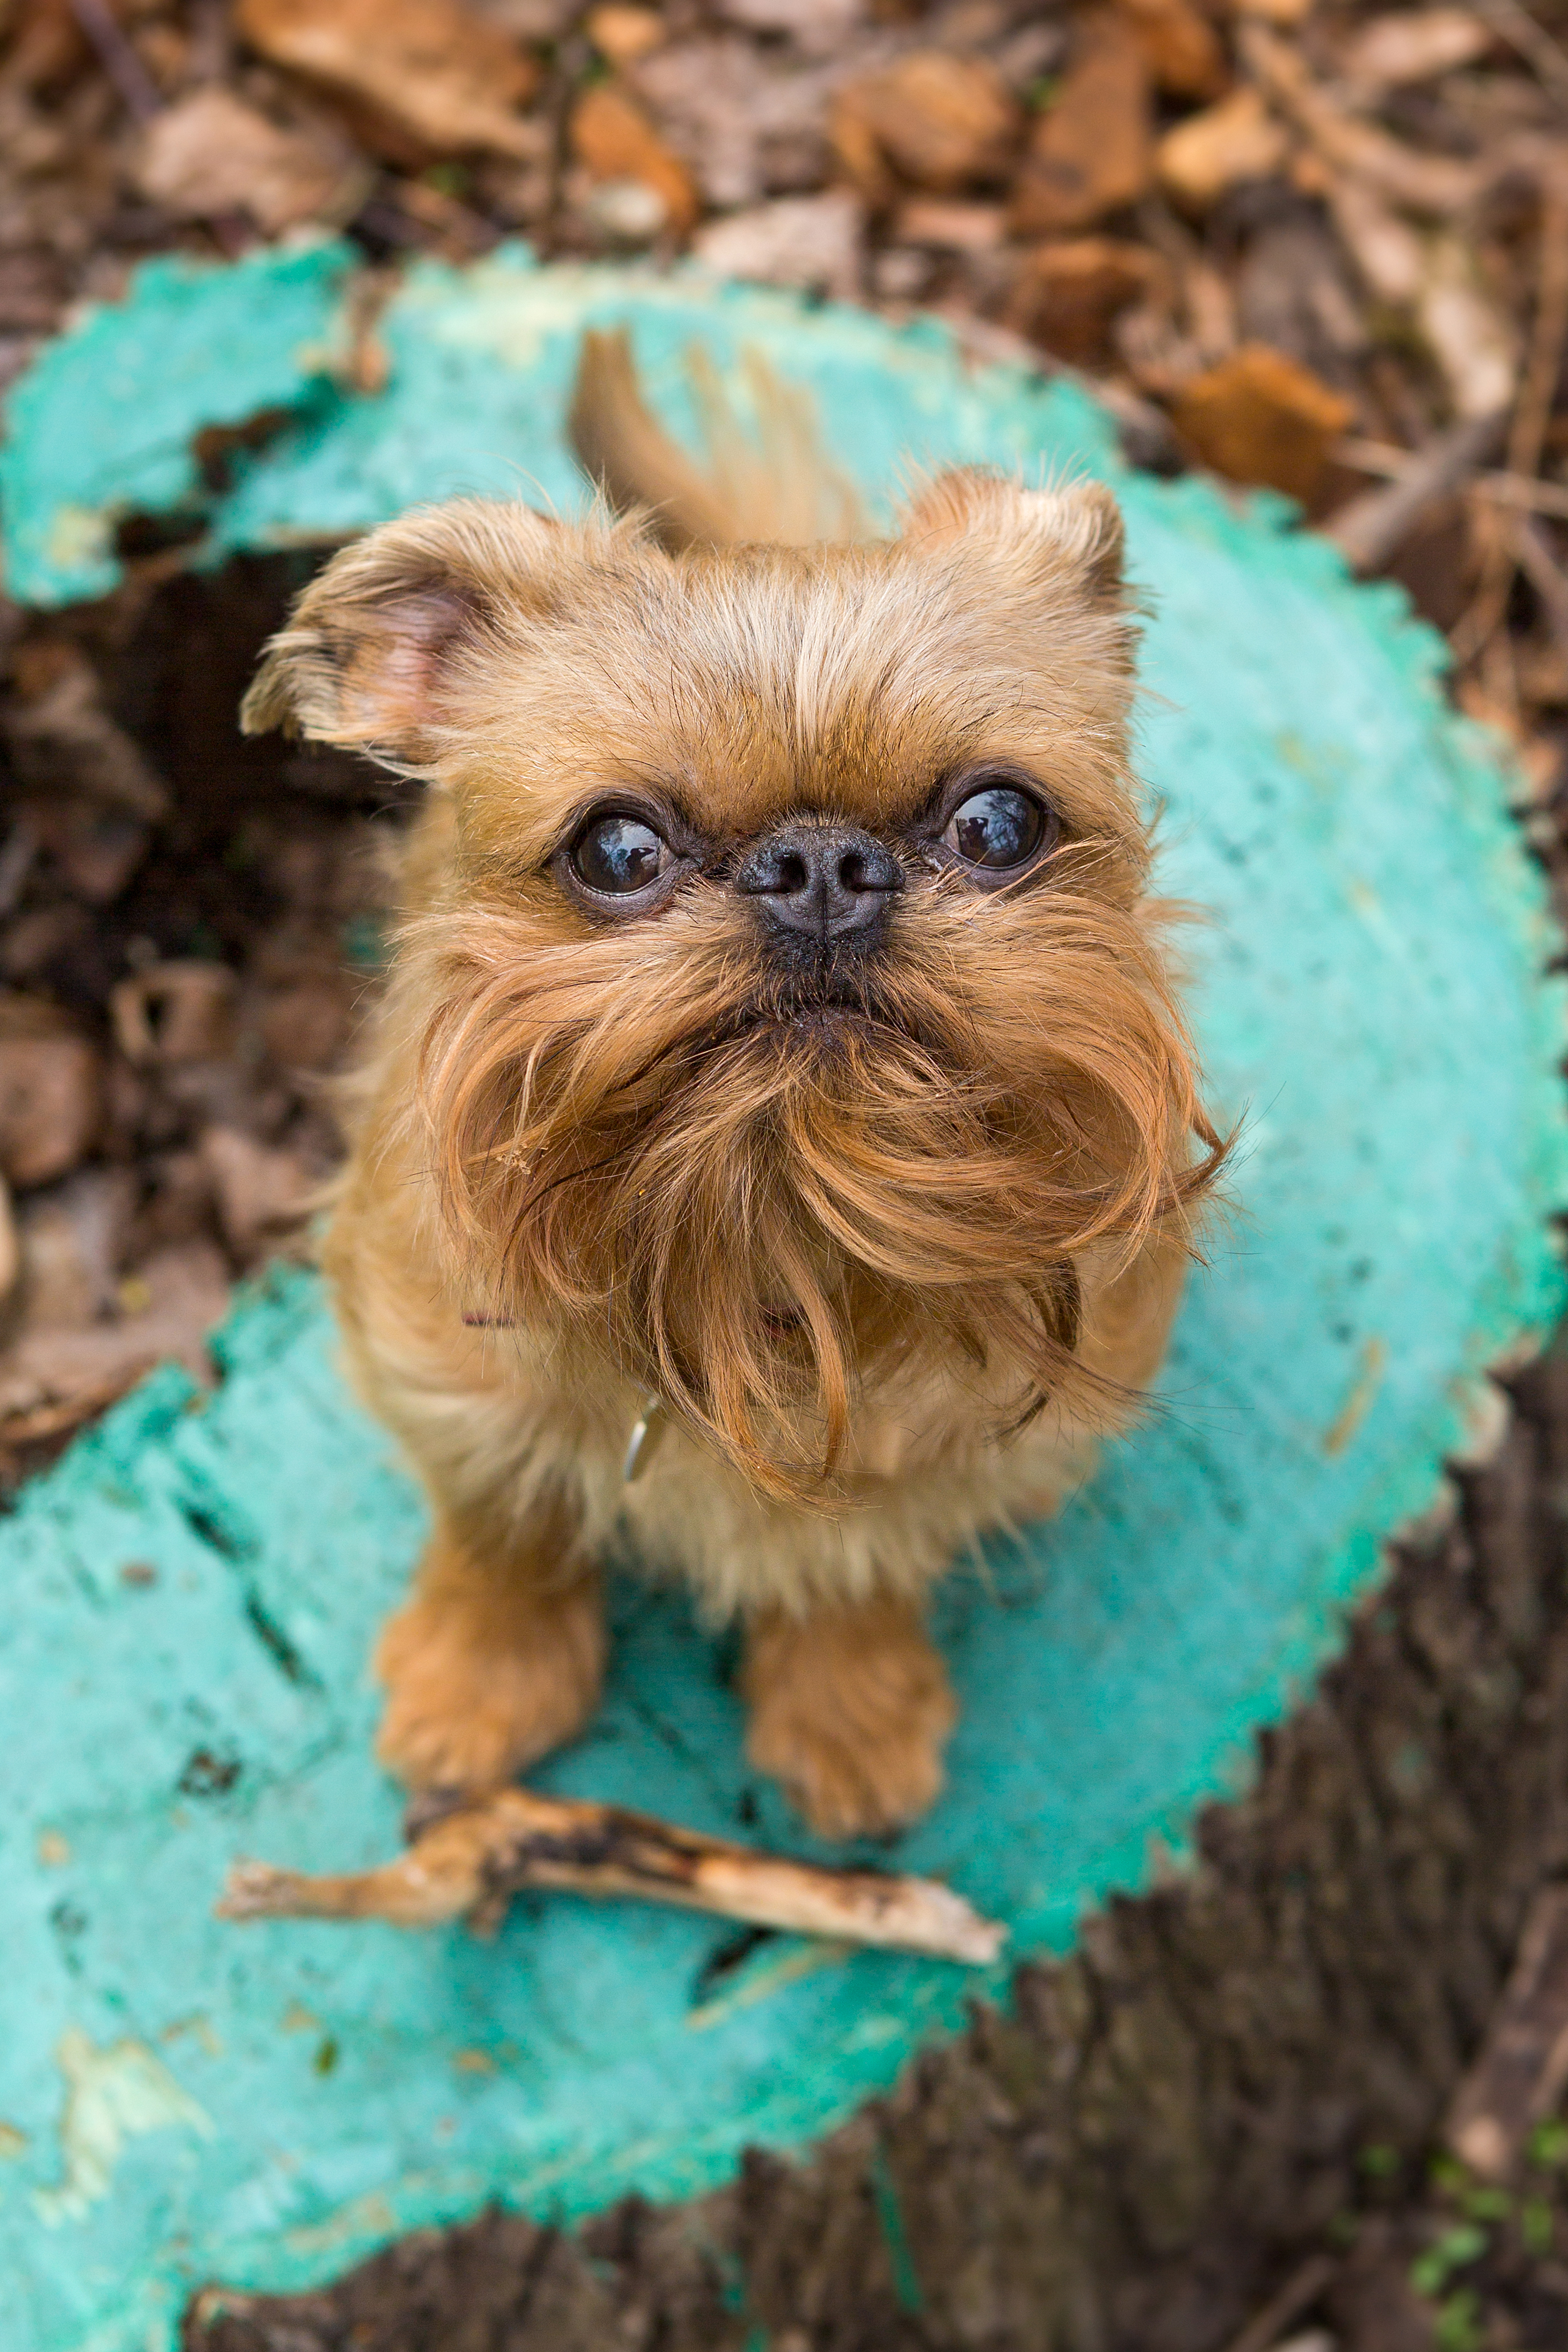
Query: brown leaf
432,71
944,122
819,27
1092,152
811,242
612,139
303,1026
1184,50
950,224
1259,417
1070,289
258,1188
622,34
1236,139
73,1239
62,741
51,1092
47,45
748,121
96,849
1415,45
209,154
186,1290
181,1010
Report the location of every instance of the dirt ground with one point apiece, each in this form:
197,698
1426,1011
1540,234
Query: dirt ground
1319,246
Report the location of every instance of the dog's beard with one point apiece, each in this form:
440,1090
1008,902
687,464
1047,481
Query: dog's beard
769,1197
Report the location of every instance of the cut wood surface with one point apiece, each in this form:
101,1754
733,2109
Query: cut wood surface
468,1862
1210,2128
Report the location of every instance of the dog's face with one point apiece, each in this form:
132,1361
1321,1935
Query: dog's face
792,1016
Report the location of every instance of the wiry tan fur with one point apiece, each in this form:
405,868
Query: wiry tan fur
894,1267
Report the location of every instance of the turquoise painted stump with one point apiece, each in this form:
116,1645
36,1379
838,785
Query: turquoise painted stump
181,2100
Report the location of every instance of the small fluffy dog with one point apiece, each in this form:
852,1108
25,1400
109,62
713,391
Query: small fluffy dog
780,1060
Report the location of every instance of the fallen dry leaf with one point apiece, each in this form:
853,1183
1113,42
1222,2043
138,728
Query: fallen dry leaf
1414,44
62,741
432,73
614,140
73,1239
258,1188
1467,334
1386,249
1259,417
952,225
811,242
210,153
1070,288
303,1026
749,124
944,122
1235,141
1185,52
623,34
51,1092
816,26
181,1010
1092,149
188,1291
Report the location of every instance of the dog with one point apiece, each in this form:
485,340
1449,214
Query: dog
778,1148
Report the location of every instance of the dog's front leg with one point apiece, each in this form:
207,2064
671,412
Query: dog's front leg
851,1710
497,1656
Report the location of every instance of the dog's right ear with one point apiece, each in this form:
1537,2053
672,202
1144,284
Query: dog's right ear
373,647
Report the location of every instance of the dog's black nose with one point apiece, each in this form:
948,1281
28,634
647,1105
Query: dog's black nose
826,881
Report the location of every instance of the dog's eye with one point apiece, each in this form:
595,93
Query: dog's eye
996,828
618,854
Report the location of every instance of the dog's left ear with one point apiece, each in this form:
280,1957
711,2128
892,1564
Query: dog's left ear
373,644
1076,531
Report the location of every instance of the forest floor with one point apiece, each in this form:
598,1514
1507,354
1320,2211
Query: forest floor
1322,247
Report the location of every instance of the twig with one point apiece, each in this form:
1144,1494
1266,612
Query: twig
1392,464
1533,43
1537,560
1435,184
1523,2061
1533,411
1532,414
118,58
472,1859
1373,527
1535,498
1303,2286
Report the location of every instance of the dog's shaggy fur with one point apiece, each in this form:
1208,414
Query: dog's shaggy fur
893,1224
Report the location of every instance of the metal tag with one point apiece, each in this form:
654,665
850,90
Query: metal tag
651,1426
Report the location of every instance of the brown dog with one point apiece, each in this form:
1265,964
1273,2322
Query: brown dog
780,1059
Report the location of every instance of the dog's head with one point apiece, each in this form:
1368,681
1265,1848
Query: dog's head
792,1013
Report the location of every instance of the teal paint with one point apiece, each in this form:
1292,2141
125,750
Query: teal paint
105,425
1369,988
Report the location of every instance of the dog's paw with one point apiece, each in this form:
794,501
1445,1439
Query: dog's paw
478,1683
850,1711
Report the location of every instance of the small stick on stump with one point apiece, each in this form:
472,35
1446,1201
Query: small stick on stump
470,1859
1523,2062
